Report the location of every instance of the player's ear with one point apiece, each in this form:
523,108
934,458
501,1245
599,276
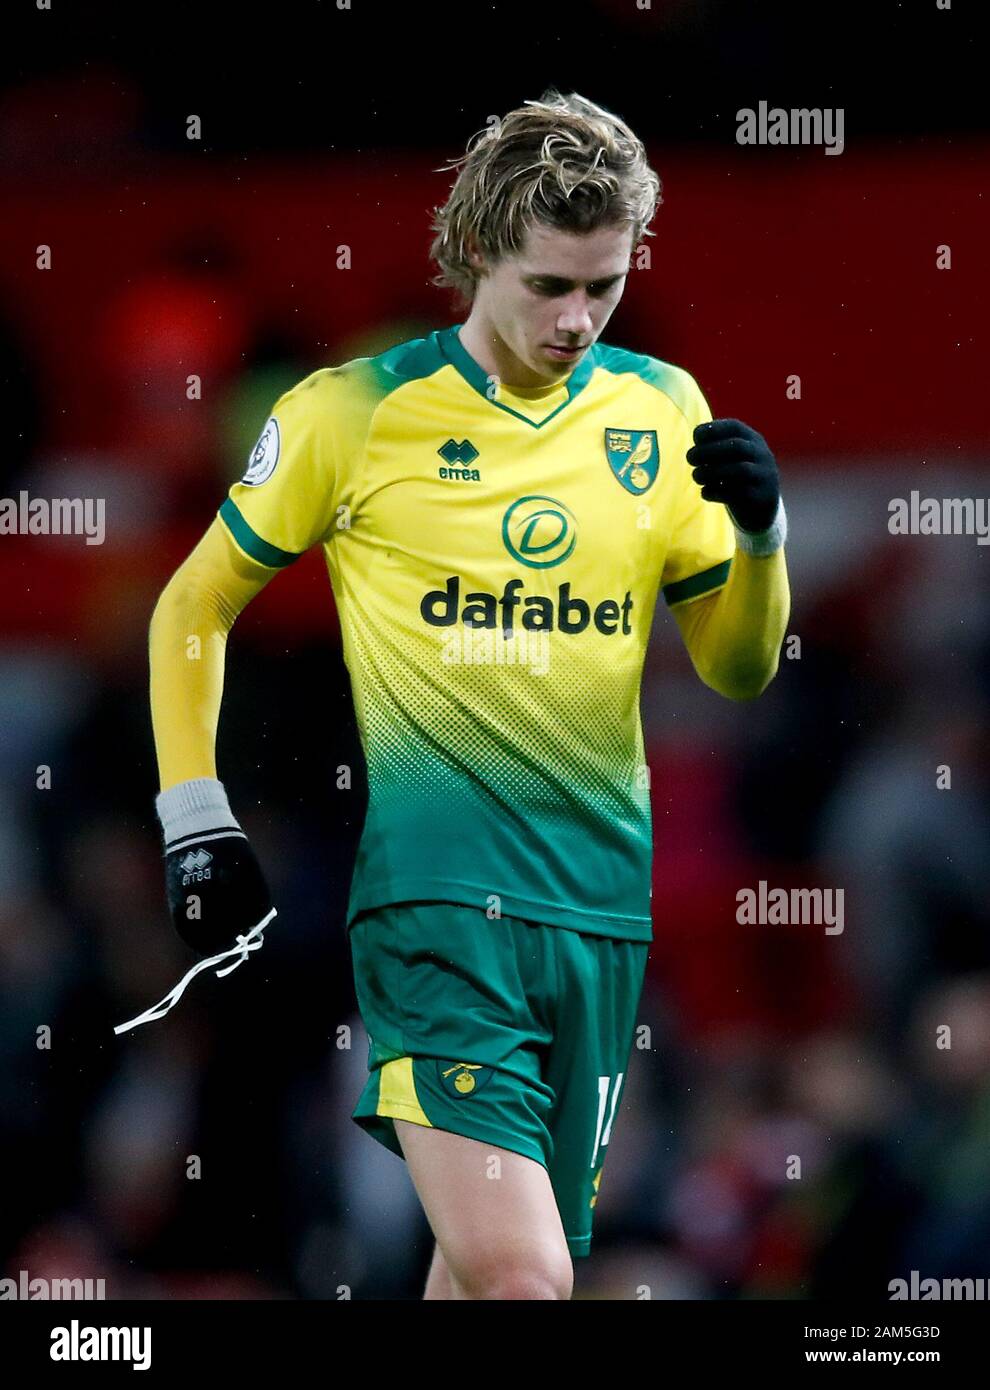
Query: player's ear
475,255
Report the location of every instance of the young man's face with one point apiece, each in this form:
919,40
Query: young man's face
545,305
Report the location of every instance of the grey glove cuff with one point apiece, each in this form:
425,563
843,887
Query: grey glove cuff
763,542
194,807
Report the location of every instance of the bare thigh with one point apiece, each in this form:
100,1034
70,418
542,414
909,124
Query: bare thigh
493,1213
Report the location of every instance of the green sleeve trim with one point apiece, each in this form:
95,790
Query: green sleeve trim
697,584
251,543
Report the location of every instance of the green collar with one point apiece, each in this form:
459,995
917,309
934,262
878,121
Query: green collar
451,347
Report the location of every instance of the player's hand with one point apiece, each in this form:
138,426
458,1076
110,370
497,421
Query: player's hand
734,465
215,886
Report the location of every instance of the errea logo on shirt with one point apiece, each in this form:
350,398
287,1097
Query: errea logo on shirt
463,454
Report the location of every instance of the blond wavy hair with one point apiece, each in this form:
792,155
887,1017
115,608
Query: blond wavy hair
561,161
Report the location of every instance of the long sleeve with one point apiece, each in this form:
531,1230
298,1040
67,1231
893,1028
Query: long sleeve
187,649
734,636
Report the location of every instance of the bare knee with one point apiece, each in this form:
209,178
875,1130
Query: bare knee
535,1275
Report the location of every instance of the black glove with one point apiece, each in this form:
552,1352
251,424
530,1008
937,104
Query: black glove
216,889
734,465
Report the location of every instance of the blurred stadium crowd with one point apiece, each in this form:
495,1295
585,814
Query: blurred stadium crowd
763,1041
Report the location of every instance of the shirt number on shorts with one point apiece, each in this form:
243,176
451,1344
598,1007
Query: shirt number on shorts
605,1084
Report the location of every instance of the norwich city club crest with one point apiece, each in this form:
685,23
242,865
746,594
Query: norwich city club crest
462,1078
634,457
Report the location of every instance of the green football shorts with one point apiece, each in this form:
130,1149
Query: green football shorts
508,1031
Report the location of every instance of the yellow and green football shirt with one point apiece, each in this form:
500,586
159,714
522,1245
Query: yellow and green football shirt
495,556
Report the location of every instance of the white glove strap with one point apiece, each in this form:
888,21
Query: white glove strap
194,808
244,945
763,542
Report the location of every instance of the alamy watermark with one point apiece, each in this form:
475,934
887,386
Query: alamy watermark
766,906
84,1343
925,1289
479,646
777,125
25,1288
56,516
940,516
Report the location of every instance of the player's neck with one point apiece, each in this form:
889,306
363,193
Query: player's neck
481,342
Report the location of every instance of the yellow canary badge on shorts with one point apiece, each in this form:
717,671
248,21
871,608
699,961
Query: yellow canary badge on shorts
462,1078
